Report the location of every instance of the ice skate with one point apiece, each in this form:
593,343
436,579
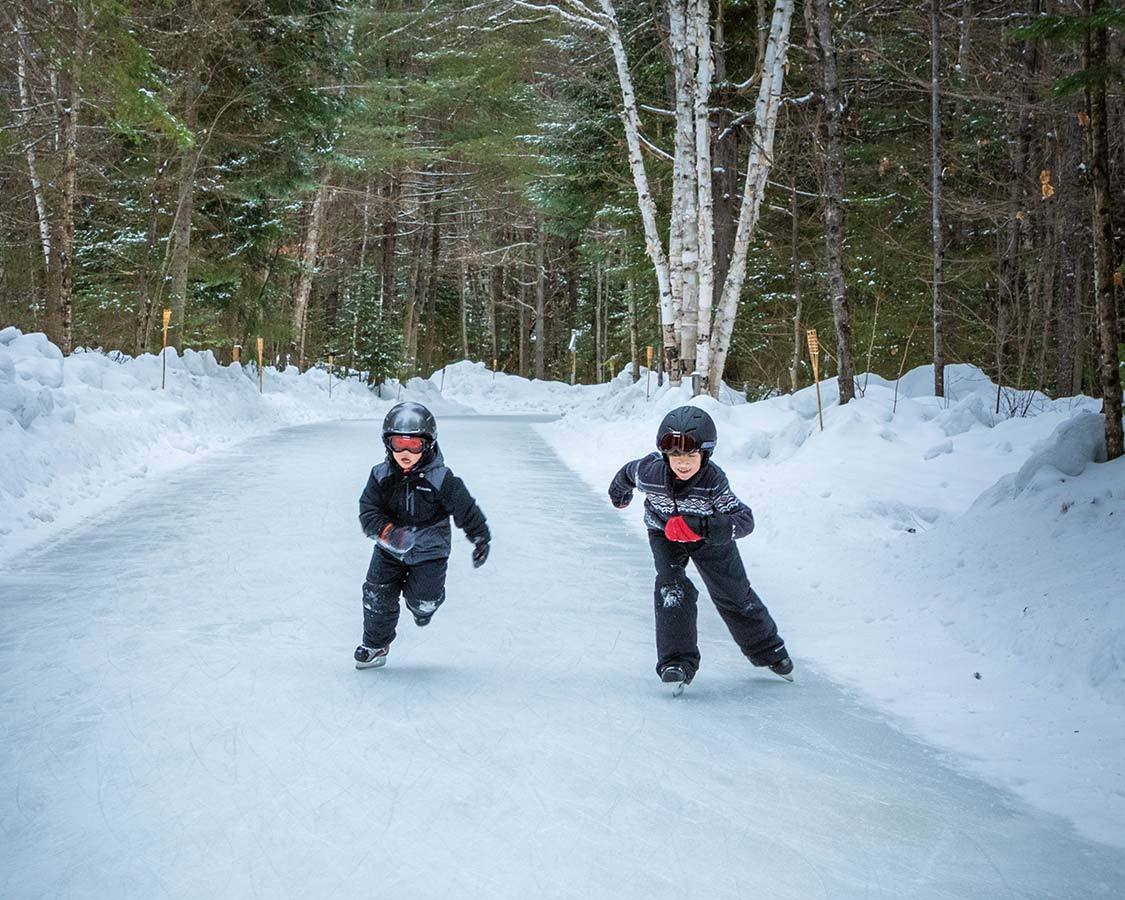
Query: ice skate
677,675
370,657
783,667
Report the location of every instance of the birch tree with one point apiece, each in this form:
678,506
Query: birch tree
684,266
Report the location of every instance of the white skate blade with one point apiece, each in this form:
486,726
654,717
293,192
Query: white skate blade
376,663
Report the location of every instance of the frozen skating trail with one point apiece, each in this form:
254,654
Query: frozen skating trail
181,717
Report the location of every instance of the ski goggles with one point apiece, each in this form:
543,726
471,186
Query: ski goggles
676,442
406,443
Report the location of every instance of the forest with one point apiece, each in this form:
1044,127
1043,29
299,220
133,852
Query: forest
559,189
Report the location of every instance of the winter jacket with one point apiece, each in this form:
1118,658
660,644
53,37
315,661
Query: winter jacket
705,496
425,498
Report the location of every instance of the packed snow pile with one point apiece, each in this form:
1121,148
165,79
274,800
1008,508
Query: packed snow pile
498,393
79,432
961,565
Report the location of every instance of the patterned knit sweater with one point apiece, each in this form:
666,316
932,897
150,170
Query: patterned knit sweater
704,494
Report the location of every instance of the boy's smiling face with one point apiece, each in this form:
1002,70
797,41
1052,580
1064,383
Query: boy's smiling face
684,465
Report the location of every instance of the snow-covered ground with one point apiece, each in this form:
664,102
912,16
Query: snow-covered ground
959,570
82,432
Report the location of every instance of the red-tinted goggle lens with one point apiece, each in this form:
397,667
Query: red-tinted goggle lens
676,442
401,442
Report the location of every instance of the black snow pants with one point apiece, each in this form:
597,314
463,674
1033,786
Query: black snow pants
422,584
720,566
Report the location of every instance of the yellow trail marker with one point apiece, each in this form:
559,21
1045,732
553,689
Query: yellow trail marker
814,355
163,354
260,387
330,358
648,374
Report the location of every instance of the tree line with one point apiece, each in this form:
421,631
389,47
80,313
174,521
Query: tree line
552,187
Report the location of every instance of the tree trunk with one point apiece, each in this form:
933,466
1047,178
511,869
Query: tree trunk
1067,312
145,282
181,226
26,104
964,23
523,327
540,302
795,259
1104,251
1020,143
598,350
757,173
495,296
645,201
60,301
724,157
704,175
834,200
464,310
633,348
935,199
310,249
388,295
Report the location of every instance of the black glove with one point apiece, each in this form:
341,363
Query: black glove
620,499
717,529
480,553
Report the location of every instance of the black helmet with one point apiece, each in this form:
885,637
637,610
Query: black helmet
410,418
687,428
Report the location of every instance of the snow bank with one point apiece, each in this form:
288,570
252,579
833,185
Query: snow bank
963,568
80,432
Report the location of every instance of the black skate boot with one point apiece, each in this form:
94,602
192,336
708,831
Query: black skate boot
677,674
783,667
422,621
370,657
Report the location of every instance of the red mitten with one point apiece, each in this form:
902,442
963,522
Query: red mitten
678,530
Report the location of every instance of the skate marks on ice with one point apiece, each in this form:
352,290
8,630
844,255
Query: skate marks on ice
182,717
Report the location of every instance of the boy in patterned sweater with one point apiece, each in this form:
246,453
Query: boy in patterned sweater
692,514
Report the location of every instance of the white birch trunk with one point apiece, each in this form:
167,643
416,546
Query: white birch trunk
682,23
309,253
705,203
653,244
32,160
757,173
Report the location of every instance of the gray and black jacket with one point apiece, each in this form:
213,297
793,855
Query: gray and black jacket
702,497
425,498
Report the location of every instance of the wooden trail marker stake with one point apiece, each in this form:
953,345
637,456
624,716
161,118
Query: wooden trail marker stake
814,355
331,357
237,353
648,375
259,365
494,368
163,349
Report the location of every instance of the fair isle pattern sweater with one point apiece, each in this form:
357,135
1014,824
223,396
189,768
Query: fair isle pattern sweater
703,495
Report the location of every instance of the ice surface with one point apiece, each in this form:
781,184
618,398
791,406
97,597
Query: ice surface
182,717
